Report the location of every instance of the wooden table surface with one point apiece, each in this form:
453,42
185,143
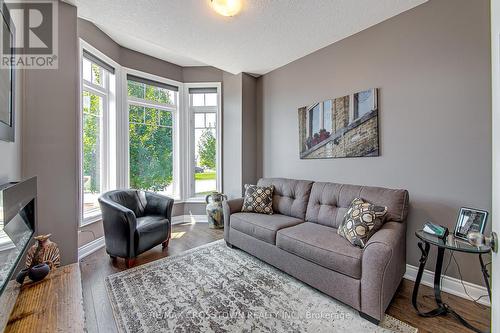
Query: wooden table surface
51,305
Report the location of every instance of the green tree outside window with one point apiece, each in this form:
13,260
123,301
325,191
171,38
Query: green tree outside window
151,141
207,149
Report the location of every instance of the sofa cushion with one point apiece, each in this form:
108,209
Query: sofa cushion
329,202
258,199
290,196
323,246
260,226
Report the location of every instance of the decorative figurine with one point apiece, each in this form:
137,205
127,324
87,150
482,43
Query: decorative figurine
44,251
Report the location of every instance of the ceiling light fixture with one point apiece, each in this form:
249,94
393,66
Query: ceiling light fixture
226,7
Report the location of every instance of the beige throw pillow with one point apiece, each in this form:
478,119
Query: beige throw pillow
361,221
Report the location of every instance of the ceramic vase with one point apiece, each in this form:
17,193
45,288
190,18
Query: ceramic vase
44,251
214,210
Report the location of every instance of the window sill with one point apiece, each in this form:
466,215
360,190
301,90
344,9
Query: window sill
192,200
91,219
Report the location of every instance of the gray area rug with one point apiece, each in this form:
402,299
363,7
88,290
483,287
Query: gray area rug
213,288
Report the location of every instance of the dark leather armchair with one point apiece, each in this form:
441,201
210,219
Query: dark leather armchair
134,222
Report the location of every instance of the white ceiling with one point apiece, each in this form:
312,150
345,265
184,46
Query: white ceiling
267,34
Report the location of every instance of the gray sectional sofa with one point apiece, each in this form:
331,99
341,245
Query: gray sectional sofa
301,239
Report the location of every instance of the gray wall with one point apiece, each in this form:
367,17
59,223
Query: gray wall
432,65
239,135
232,138
249,129
50,138
144,63
10,152
98,39
201,74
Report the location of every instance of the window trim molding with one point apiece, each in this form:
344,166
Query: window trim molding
189,179
113,101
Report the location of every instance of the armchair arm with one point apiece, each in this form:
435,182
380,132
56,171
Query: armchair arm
159,205
119,224
383,266
230,207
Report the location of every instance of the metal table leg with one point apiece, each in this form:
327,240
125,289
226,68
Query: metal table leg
423,260
443,308
486,276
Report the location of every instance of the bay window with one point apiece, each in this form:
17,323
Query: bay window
145,132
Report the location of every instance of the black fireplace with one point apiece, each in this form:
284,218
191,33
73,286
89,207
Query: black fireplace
17,225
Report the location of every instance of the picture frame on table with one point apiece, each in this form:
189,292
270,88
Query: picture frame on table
470,220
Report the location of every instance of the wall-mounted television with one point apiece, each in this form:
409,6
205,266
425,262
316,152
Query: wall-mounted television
7,77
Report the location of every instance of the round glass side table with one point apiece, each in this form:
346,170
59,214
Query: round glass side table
452,244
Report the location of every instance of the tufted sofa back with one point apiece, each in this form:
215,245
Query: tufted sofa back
290,196
329,202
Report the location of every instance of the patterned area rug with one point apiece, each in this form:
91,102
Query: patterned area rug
213,288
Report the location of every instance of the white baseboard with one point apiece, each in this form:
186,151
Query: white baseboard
450,285
90,247
96,244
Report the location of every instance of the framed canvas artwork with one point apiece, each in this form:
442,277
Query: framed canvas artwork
345,126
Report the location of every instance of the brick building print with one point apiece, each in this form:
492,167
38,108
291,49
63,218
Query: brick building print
341,127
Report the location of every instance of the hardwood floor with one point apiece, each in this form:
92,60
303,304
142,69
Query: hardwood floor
401,308
99,316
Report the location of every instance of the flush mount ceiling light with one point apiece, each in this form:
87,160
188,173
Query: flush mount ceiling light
226,7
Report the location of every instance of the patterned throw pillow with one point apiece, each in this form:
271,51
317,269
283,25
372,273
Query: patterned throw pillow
258,199
361,221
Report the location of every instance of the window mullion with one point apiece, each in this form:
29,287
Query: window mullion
149,103
95,87
92,89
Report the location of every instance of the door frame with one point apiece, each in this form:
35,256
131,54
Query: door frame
495,96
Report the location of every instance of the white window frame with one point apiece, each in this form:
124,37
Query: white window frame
190,149
111,100
177,125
